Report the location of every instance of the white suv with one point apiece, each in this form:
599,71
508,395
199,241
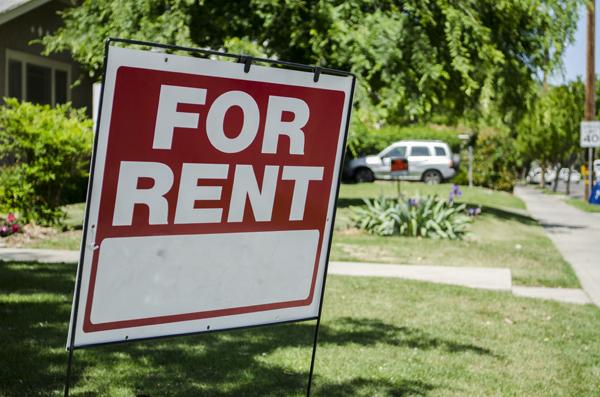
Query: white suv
428,161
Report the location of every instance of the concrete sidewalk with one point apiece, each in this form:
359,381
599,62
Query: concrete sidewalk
38,255
499,279
473,277
575,233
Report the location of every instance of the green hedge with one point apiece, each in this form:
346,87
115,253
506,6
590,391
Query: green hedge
365,141
44,159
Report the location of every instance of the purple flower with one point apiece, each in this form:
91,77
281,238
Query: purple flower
15,228
456,190
3,230
413,202
473,211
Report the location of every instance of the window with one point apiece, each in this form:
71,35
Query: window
419,151
399,151
36,79
440,151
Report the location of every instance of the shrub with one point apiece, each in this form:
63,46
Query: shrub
430,217
44,159
495,162
364,141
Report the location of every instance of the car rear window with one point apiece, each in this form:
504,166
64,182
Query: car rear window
419,151
440,151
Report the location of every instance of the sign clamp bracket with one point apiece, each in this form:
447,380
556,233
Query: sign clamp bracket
247,61
317,74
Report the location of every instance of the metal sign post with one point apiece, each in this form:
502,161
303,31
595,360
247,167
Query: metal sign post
589,138
589,130
212,195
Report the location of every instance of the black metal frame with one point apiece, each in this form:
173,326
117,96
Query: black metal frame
247,61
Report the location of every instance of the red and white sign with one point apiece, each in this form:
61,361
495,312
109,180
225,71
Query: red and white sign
212,198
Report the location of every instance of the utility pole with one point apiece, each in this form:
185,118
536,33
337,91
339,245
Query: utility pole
590,77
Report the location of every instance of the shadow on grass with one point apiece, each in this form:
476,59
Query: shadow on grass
34,308
558,227
506,214
370,331
350,202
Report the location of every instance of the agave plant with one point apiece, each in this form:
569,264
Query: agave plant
429,217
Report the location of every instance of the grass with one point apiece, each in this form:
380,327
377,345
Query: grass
68,240
352,194
379,337
583,205
504,236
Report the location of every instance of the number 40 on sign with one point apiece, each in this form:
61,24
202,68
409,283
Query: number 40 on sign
590,134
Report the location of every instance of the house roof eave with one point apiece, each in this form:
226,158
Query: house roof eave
19,8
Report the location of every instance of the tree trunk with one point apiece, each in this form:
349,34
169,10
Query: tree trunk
568,189
556,179
542,177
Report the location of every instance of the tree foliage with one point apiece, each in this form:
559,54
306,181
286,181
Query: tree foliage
414,58
495,162
549,133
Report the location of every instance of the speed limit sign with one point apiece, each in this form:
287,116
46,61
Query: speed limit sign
590,134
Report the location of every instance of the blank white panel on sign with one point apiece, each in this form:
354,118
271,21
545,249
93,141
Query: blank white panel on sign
153,276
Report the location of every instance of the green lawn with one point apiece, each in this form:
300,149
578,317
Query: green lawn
583,205
504,236
68,240
380,337
353,193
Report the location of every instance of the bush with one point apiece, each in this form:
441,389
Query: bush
44,159
495,162
364,141
430,217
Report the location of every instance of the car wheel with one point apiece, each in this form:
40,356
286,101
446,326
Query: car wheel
432,177
364,175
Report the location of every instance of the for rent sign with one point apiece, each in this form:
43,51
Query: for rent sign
212,196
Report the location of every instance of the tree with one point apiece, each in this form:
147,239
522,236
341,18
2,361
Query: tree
414,58
550,132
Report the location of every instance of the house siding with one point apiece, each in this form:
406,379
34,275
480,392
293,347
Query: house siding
16,35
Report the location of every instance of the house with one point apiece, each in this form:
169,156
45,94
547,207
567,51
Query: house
25,73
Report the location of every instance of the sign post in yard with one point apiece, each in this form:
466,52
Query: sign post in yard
590,95
212,196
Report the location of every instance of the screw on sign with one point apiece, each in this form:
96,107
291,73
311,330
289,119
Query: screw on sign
212,197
